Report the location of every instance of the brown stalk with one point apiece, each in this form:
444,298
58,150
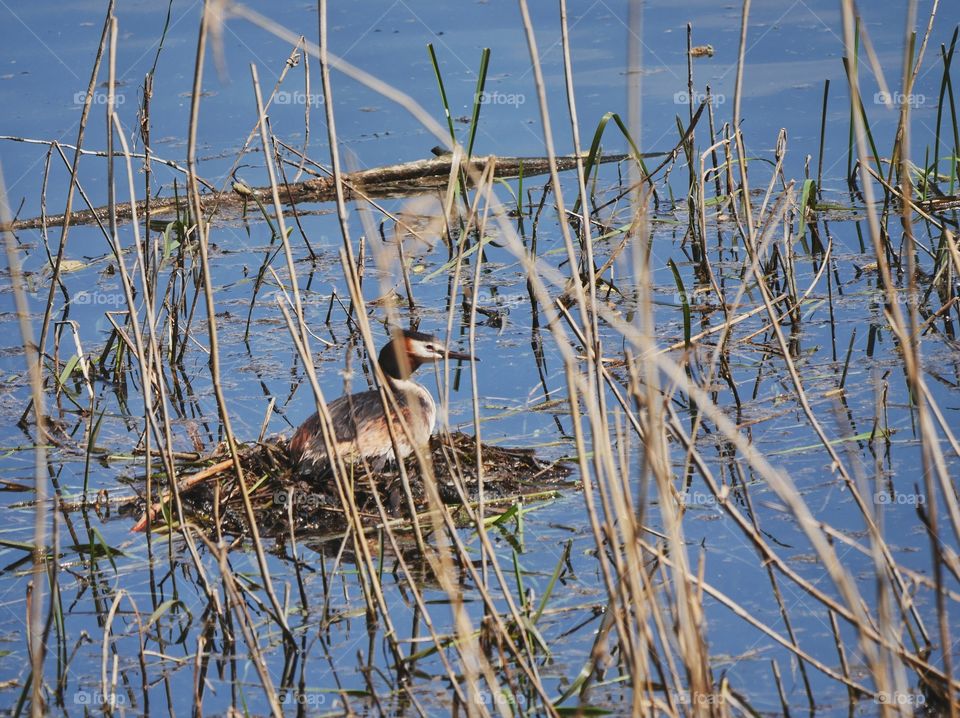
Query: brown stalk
147,355
931,454
601,453
32,358
210,15
84,115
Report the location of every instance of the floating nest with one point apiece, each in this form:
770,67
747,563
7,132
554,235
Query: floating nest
278,494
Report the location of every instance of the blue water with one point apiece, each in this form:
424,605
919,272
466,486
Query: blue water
45,58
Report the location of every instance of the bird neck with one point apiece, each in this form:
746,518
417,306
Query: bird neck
404,385
394,365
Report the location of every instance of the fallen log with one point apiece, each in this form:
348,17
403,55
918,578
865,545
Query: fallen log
406,179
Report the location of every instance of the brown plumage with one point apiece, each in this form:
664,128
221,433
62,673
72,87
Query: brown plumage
358,420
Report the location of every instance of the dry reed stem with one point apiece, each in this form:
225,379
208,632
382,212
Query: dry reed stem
65,228
32,358
353,281
240,610
446,527
931,453
349,265
603,463
148,366
781,485
182,486
626,512
207,22
784,488
372,591
857,492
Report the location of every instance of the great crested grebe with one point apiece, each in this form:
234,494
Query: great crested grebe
358,419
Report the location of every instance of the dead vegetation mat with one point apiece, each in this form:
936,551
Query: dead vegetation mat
282,500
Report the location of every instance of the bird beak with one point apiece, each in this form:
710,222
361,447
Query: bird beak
460,355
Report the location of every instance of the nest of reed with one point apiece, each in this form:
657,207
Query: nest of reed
282,500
